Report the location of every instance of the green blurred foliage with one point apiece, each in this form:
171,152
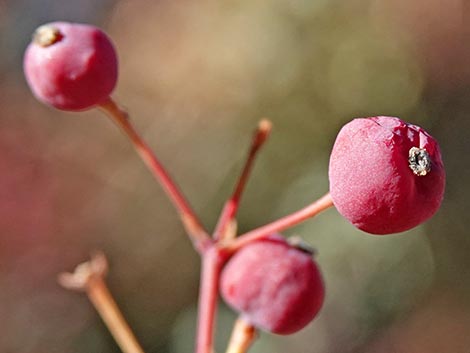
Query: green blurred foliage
196,77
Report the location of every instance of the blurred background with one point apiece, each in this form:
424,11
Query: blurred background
196,77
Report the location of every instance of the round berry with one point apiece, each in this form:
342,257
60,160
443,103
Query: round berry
71,66
386,176
274,285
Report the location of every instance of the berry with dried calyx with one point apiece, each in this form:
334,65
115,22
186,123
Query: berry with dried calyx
386,176
71,66
276,286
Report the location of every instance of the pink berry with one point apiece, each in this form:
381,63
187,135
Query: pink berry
274,285
71,66
386,176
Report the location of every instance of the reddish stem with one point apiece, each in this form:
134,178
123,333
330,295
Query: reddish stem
193,226
212,262
231,206
283,223
212,258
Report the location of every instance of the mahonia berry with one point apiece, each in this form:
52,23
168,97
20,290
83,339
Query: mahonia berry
276,286
386,176
71,66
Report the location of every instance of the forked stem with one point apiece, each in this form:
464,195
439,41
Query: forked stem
243,336
212,258
285,222
231,206
190,221
89,277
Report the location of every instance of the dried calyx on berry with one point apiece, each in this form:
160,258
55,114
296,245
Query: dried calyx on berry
386,176
71,66
276,286
419,161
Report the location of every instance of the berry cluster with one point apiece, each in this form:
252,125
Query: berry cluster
386,176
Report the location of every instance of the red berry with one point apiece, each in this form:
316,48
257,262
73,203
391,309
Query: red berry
386,176
276,286
71,66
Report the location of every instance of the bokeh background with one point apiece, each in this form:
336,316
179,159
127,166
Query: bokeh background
197,76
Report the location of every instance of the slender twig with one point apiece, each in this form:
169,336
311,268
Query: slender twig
231,206
191,222
89,277
212,259
212,262
243,336
283,223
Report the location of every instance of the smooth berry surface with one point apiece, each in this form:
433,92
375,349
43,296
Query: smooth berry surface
71,66
275,286
386,176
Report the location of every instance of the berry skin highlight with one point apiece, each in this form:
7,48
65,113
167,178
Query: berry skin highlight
71,66
274,285
386,176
